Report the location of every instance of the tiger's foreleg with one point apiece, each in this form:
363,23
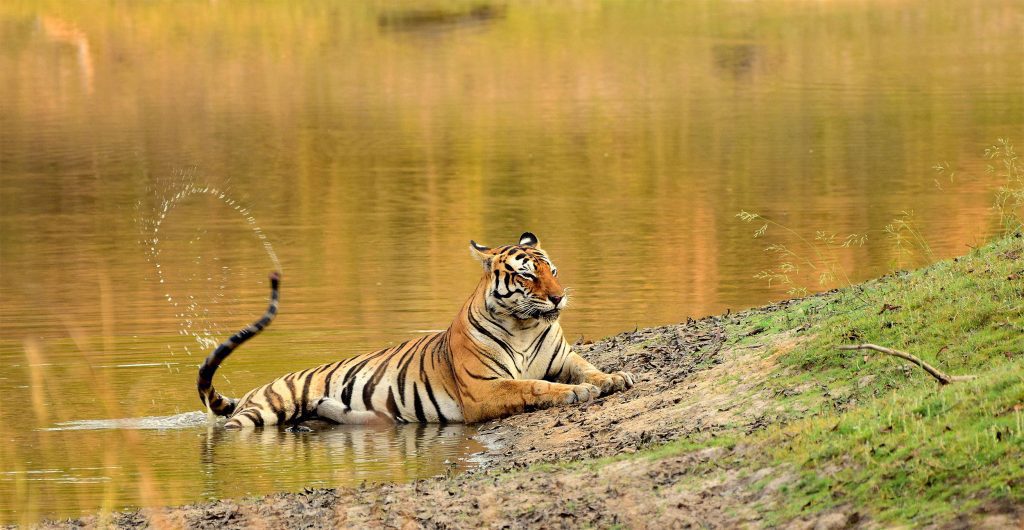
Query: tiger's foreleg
504,397
577,370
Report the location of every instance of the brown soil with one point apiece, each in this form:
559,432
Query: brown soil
540,470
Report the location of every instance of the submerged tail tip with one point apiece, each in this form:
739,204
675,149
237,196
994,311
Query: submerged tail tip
275,279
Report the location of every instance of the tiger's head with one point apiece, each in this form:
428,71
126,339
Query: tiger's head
522,282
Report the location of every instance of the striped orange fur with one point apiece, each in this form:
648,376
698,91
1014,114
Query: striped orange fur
502,354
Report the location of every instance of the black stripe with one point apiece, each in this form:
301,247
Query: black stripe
433,338
350,378
290,383
346,393
275,402
498,341
402,375
296,379
540,342
551,362
438,344
308,382
396,350
327,379
418,405
492,321
481,377
440,352
371,385
407,360
561,367
256,418
248,395
393,407
506,282
430,391
510,293
433,400
483,355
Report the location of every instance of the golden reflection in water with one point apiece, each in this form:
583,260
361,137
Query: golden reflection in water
117,467
371,141
61,32
345,455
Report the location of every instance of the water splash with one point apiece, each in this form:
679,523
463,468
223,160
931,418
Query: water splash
176,421
192,314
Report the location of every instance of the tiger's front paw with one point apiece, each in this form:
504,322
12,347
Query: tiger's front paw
581,393
609,383
560,394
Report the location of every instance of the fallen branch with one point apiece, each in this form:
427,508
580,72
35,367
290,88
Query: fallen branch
943,378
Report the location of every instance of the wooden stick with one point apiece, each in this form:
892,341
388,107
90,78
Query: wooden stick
943,378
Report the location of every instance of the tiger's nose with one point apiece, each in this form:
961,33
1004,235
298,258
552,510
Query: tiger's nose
555,299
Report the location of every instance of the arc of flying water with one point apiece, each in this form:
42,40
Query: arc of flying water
167,205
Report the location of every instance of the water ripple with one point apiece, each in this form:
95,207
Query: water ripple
177,421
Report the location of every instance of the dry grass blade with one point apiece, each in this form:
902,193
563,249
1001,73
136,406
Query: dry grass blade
942,377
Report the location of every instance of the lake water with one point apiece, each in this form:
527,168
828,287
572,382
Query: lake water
157,157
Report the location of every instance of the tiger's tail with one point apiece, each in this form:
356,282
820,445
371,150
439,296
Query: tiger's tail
219,404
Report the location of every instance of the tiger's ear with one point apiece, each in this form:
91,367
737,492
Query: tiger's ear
529,240
481,253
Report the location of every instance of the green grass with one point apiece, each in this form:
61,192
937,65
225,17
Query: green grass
903,448
911,456
876,433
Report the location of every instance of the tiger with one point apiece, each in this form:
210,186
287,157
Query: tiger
504,353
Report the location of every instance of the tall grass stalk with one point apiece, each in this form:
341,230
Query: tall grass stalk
903,232
1009,199
45,398
821,257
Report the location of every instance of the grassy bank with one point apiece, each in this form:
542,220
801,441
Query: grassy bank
881,434
755,418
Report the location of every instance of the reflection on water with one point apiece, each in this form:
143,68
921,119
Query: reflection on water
439,17
178,459
372,140
62,32
344,455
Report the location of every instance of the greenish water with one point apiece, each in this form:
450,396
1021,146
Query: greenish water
368,142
